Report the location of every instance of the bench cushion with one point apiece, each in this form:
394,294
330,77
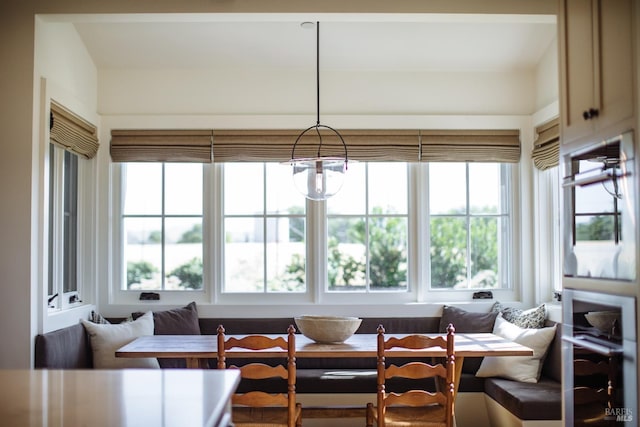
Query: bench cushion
66,348
527,401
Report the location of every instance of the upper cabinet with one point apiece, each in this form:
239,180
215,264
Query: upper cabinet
596,68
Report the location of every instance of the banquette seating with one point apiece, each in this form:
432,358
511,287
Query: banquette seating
508,402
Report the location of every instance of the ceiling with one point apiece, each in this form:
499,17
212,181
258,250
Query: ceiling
353,42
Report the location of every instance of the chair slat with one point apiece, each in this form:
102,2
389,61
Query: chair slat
415,398
416,370
261,371
256,342
260,399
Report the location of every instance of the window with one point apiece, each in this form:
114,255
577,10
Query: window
63,227
367,246
162,226
469,225
264,230
70,200
396,232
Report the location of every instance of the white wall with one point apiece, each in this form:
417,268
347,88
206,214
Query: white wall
281,92
547,78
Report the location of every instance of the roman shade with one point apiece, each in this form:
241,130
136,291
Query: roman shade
546,148
277,145
72,132
260,145
161,146
470,146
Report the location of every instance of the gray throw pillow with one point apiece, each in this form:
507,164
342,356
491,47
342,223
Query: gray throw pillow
177,321
467,322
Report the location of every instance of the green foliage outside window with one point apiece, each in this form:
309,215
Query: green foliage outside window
387,254
449,252
189,273
600,227
194,235
139,271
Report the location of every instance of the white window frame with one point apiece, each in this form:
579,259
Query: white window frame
213,238
118,293
548,245
85,221
509,290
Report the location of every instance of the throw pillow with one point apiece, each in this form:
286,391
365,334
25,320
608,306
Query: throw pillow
98,318
519,368
106,339
467,322
177,321
531,318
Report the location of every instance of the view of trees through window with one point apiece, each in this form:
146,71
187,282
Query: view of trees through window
468,222
265,231
162,226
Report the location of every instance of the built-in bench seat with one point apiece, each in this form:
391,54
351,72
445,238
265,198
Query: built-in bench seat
69,348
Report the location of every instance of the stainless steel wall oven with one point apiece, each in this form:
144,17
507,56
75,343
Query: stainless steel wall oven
599,352
600,211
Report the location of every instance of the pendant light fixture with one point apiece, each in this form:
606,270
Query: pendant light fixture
319,177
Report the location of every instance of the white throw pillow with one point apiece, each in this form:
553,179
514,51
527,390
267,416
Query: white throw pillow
106,339
519,368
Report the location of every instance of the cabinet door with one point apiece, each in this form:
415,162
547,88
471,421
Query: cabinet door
578,66
616,62
596,67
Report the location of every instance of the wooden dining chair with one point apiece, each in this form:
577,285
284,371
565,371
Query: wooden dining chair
259,408
417,407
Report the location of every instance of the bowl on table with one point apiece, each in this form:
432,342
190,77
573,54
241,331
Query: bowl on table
328,329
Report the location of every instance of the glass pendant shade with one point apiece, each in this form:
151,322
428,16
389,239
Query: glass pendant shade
319,178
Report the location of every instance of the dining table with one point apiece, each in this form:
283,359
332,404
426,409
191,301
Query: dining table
122,397
197,349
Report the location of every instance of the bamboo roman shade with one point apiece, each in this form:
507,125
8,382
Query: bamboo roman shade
72,132
253,145
470,146
259,145
161,146
276,145
546,148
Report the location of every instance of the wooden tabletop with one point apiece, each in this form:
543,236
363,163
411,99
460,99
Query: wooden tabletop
358,345
125,397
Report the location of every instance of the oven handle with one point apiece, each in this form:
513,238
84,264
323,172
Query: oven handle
590,180
596,348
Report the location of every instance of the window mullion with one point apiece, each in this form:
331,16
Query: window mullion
317,255
468,219
58,241
164,230
265,273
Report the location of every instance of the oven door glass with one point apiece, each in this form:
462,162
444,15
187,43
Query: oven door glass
600,212
599,350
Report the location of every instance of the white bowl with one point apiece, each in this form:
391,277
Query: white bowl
328,329
603,320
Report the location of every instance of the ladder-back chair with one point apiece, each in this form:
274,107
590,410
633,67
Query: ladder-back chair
259,408
416,407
